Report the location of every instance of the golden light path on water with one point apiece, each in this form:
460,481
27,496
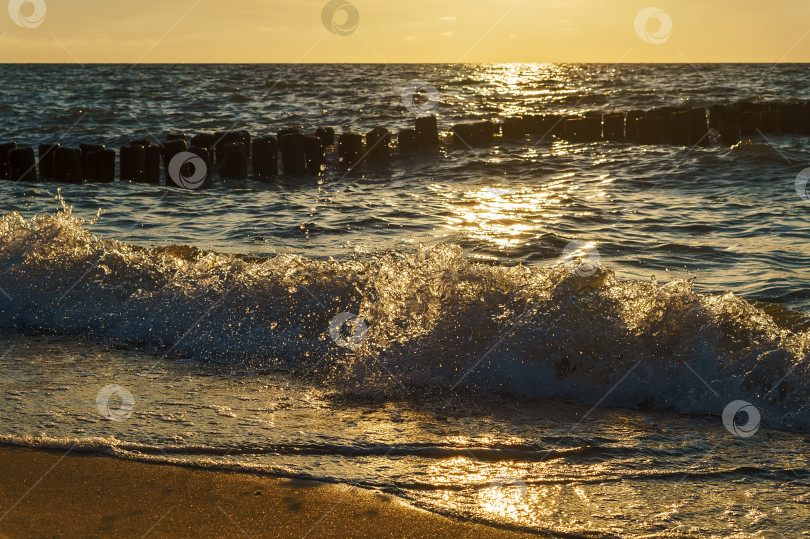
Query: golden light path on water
505,216
501,493
550,82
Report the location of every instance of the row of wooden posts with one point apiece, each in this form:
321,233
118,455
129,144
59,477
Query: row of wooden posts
233,153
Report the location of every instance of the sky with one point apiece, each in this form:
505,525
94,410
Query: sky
387,31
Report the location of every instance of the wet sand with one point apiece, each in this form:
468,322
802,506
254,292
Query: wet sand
46,494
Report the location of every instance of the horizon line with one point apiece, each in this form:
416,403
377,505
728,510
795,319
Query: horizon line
736,62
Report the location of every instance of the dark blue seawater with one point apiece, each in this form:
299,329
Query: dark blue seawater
548,333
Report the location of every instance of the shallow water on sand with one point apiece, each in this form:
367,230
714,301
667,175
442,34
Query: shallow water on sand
494,373
538,464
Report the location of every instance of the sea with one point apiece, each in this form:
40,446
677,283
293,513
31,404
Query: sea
591,340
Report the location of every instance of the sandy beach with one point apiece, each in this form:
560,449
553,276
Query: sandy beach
44,494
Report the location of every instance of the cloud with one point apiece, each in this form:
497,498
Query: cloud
448,19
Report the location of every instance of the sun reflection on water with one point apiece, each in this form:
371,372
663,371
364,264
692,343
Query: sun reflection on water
497,489
506,217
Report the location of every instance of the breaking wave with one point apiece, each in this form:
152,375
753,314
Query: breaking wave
435,322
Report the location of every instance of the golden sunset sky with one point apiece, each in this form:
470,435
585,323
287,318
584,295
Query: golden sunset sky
292,31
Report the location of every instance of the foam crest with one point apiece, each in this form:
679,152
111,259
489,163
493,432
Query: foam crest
436,321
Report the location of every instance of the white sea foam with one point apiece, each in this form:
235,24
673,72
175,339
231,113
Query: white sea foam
435,321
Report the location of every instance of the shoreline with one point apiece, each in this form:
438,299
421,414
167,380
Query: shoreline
45,493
